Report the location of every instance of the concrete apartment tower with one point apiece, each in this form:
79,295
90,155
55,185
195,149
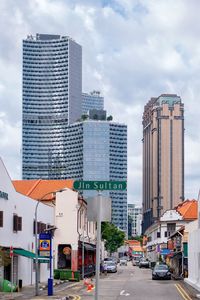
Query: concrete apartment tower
163,156
52,98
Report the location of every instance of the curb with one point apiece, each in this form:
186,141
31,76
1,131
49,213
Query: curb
44,287
192,292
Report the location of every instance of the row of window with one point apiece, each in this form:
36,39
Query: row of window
17,224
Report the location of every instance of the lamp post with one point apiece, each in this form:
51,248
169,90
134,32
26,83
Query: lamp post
36,241
83,252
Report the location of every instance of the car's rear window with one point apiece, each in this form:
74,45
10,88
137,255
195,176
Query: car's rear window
161,267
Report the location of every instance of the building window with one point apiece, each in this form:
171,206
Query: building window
171,228
17,223
158,234
1,218
40,227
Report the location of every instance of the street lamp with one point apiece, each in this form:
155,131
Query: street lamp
36,241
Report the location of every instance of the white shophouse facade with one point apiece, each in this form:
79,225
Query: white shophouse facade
13,204
158,233
194,255
73,229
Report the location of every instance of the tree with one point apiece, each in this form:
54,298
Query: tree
84,117
113,236
95,117
4,257
109,118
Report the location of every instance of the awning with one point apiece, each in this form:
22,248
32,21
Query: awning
31,255
89,247
177,255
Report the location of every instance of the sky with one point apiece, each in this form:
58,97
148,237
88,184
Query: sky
132,50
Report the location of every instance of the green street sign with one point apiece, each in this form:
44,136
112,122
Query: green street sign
100,185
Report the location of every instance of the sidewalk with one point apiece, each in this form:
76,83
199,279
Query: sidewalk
28,292
190,290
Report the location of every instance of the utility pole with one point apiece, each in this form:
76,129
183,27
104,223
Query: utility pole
99,203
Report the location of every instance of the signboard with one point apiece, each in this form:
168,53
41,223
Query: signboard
45,244
45,253
100,185
44,236
92,209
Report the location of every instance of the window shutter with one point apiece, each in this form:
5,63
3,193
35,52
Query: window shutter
34,227
39,227
43,227
1,218
19,223
15,219
158,234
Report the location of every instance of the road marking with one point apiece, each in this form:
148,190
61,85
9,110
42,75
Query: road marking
183,293
122,293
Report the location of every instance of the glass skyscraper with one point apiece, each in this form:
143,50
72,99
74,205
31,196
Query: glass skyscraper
93,100
97,150
52,89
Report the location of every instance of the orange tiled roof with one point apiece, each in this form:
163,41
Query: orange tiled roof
188,209
132,242
36,189
137,248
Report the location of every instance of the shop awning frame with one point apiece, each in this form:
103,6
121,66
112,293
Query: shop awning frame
30,255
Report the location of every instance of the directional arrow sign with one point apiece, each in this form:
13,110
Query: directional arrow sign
100,185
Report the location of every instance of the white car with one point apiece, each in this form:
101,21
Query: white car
123,261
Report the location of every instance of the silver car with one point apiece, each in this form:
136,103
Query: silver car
110,267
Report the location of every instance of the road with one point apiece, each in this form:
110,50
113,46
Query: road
133,283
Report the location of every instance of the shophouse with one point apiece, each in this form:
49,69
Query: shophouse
170,223
194,253
17,214
74,236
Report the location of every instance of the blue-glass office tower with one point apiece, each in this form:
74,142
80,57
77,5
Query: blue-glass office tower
97,150
93,100
52,91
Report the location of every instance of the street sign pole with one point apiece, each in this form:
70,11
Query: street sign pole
98,245
83,253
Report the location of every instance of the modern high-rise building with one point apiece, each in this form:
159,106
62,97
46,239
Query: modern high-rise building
163,156
97,150
93,100
52,91
135,212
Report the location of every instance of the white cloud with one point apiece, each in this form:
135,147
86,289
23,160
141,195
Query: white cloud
132,51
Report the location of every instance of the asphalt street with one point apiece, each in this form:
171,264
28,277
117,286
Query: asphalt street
134,283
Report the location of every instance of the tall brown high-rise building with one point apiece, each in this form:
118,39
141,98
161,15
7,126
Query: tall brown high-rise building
163,156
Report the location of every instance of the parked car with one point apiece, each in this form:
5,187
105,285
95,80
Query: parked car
110,259
136,260
123,261
161,272
144,263
110,267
